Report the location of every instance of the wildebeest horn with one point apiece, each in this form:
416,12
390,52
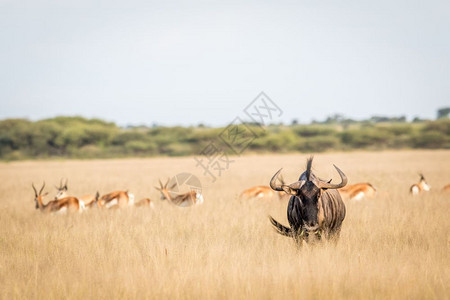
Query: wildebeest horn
282,179
297,185
327,185
273,182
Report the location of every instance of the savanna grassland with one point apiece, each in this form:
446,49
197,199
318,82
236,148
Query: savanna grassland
392,247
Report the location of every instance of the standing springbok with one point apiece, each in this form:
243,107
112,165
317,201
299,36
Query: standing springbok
315,208
63,205
184,200
421,186
89,200
358,191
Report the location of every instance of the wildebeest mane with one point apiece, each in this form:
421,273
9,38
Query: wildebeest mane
308,167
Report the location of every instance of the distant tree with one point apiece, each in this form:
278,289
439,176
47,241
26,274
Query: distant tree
336,118
381,119
294,122
418,120
443,113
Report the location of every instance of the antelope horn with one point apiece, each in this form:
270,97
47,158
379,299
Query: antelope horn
42,188
273,182
327,185
35,192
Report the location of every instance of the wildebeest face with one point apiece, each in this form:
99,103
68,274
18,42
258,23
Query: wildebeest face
309,195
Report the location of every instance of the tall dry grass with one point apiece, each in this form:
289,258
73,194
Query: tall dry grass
394,246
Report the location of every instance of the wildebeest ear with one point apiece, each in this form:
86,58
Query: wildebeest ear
288,190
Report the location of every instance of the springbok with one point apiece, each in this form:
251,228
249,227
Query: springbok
62,192
144,202
357,191
184,200
63,205
262,191
446,188
117,199
315,208
421,186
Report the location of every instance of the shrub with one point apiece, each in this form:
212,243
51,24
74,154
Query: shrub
313,130
432,140
318,144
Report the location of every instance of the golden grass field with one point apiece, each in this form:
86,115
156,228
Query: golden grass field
391,247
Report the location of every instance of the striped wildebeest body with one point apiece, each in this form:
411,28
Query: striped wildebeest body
315,209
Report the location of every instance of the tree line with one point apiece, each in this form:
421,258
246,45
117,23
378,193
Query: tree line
77,137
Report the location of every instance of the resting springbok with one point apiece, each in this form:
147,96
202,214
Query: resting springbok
261,191
66,204
358,191
422,186
89,200
117,199
144,202
446,188
315,208
183,200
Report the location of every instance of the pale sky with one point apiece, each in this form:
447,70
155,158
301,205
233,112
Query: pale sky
191,62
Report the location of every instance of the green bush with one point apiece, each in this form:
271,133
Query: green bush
313,130
93,138
318,144
366,137
138,146
431,140
441,125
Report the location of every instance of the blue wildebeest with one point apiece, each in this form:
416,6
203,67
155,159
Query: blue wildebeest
315,209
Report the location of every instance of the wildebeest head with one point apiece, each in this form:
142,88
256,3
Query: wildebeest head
309,189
